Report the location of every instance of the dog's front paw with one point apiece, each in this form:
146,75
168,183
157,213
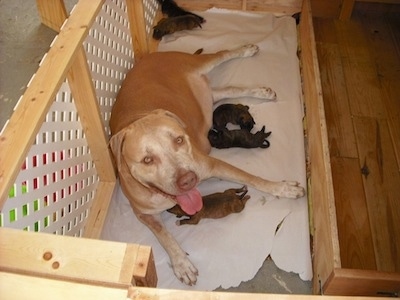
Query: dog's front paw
289,189
249,50
265,93
184,270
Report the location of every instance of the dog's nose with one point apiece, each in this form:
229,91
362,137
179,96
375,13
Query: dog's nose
187,181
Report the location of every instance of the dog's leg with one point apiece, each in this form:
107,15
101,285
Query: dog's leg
183,268
235,92
210,61
220,169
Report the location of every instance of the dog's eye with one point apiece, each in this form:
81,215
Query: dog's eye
148,160
179,140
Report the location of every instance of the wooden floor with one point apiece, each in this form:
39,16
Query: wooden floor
360,71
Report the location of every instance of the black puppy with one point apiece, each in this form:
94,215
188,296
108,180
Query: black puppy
171,9
171,25
238,138
236,114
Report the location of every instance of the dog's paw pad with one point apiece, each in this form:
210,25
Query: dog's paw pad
249,50
290,189
266,93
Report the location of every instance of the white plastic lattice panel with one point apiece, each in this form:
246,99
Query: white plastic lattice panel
109,54
57,182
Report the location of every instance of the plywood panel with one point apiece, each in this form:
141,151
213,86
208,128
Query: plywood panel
355,239
382,187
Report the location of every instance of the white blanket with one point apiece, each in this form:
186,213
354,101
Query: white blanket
231,250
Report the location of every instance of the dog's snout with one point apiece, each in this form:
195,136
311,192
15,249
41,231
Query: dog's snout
187,181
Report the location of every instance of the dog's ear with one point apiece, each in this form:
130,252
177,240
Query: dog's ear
116,143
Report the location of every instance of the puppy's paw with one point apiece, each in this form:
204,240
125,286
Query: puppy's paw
249,50
184,270
265,93
289,189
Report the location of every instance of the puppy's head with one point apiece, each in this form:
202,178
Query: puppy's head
245,119
156,151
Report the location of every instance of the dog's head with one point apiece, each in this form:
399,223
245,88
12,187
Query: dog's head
156,151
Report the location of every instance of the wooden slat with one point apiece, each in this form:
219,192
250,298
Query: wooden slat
22,287
382,188
349,282
346,9
135,11
167,294
355,238
74,259
326,9
16,286
28,117
326,256
82,89
52,13
98,210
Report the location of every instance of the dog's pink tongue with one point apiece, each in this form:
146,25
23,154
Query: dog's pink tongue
190,202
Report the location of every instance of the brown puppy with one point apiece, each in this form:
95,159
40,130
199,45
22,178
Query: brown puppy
215,206
170,25
240,138
236,114
159,126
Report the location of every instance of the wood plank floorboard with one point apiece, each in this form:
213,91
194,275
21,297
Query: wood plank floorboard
359,62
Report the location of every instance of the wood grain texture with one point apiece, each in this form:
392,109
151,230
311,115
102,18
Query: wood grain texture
359,69
338,116
74,259
352,282
355,238
52,13
325,239
383,34
366,51
19,287
382,190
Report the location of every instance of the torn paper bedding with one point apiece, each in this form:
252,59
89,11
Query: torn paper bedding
231,250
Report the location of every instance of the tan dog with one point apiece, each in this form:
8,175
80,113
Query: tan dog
160,123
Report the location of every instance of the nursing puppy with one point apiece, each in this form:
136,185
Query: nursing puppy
170,25
215,206
240,138
171,9
237,114
159,126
